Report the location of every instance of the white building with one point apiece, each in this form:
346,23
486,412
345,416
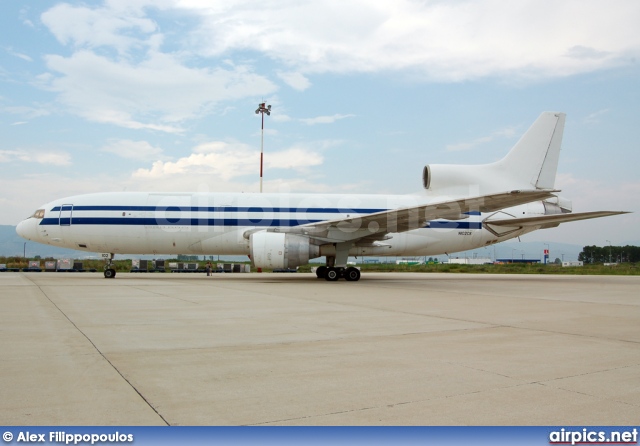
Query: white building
476,261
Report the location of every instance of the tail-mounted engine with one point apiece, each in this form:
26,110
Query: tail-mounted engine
449,176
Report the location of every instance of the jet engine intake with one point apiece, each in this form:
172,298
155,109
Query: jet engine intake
456,178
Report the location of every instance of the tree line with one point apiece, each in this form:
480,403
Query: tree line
609,254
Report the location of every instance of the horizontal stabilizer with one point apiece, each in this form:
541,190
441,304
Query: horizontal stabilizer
551,220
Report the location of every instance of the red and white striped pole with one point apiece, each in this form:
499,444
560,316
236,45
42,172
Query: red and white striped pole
262,108
261,150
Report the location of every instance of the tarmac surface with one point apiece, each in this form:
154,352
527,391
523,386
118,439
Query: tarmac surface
289,349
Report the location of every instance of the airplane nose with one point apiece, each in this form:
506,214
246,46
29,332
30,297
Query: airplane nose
27,229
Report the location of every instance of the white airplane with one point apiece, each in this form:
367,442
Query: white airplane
460,208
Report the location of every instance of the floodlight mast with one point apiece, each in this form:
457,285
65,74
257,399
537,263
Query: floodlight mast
262,108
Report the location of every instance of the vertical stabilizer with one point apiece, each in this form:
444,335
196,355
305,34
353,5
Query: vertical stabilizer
534,158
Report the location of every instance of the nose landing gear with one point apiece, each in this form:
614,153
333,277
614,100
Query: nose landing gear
109,270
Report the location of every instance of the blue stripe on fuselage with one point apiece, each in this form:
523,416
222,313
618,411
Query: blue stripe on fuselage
437,224
124,221
199,222
218,209
260,221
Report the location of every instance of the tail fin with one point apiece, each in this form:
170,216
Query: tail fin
534,158
531,164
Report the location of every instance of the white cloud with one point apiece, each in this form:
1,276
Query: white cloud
295,80
31,191
594,118
582,52
137,150
593,195
157,93
324,119
294,158
227,161
28,112
111,25
279,117
508,132
137,86
448,41
19,55
121,73
55,158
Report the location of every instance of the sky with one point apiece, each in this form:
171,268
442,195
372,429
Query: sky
161,95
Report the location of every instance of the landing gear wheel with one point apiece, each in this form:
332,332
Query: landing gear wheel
333,274
109,271
321,272
352,274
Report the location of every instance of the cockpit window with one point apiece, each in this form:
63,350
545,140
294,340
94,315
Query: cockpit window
39,213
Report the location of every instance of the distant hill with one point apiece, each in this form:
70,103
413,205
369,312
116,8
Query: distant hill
11,244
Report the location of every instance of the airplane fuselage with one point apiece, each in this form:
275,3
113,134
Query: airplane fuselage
219,223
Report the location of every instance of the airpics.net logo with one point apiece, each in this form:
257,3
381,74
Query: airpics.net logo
589,436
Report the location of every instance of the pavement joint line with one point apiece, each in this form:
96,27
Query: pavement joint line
477,369
577,392
99,352
391,405
262,346
595,372
436,316
526,322
547,382
479,322
259,292
434,290
163,295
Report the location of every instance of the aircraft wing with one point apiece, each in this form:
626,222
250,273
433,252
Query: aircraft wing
414,217
550,221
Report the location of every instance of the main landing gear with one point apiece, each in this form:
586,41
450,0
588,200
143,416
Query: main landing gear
333,273
109,270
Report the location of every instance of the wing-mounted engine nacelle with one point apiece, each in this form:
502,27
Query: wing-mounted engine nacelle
275,250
